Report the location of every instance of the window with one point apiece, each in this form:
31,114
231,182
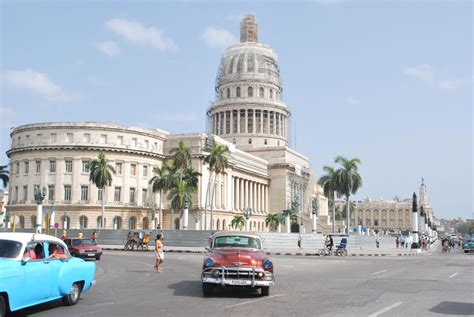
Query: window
68,166
103,139
120,140
39,136
155,146
132,194
132,223
38,166
261,92
85,166
19,140
87,138
250,92
54,137
118,168
117,194
69,137
18,167
146,144
134,142
99,194
52,166
145,223
250,141
265,142
51,192
67,192
16,194
237,92
117,222
145,171
27,167
84,193
83,222
271,93
25,193
99,222
28,139
133,169
144,196
376,222
228,93
36,189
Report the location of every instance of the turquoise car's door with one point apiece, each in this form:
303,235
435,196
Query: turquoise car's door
38,277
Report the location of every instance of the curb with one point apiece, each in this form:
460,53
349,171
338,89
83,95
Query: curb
299,254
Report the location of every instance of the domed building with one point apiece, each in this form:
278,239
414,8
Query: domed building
264,175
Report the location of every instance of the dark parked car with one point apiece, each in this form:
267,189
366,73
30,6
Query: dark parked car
83,248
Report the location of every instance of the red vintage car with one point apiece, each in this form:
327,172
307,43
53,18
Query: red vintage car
236,259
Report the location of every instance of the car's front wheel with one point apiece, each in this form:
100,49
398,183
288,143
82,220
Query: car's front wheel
73,297
265,291
207,289
3,307
97,258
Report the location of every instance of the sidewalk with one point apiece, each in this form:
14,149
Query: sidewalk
288,252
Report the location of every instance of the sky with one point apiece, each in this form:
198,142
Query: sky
389,82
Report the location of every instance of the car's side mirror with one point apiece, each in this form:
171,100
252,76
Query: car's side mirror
208,248
25,260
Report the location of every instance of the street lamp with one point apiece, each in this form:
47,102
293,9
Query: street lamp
416,241
314,211
247,215
185,212
39,197
196,217
287,213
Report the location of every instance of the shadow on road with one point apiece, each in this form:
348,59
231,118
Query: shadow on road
454,308
194,289
38,308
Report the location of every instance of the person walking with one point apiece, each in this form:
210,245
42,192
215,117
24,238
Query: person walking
94,236
159,254
300,240
397,242
63,237
377,241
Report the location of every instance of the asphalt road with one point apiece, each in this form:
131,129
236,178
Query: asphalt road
440,284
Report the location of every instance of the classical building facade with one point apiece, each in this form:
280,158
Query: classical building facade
248,115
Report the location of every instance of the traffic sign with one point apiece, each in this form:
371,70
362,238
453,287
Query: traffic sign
56,225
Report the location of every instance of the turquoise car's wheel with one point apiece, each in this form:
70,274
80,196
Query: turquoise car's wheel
73,297
3,307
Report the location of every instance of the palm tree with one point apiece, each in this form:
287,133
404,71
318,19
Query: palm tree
4,175
178,193
348,180
101,175
271,221
218,162
181,156
238,222
160,183
328,182
191,176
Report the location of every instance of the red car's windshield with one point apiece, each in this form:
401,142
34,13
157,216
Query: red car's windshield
237,242
82,242
9,249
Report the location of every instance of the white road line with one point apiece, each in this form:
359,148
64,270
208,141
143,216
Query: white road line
384,310
375,273
255,300
453,275
284,265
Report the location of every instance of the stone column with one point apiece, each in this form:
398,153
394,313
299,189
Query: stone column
254,123
242,192
231,121
252,196
261,122
238,120
266,198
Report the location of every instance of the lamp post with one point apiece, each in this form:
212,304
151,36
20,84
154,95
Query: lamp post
196,217
65,224
247,215
185,212
287,214
153,218
314,211
416,241
52,216
39,197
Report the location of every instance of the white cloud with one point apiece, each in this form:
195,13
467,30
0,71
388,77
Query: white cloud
37,82
352,100
109,48
136,32
451,84
176,116
218,38
423,72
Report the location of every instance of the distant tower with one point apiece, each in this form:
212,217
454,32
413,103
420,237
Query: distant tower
248,110
424,199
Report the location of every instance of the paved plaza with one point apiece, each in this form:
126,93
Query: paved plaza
431,285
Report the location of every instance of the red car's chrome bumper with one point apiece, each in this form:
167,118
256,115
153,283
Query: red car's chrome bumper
237,276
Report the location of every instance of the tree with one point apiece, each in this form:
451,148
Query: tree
161,183
181,156
272,221
101,175
218,163
178,193
348,180
4,175
238,222
191,176
328,182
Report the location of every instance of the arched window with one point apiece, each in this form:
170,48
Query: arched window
224,225
65,222
99,222
33,222
261,92
132,223
83,222
250,91
271,93
145,223
21,222
237,92
228,93
218,224
117,222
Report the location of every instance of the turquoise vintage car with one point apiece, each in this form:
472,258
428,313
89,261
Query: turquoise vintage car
36,268
468,245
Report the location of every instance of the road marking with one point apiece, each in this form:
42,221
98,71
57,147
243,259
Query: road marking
375,273
255,300
386,309
283,265
453,275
